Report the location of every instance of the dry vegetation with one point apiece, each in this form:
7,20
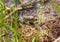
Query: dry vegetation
29,21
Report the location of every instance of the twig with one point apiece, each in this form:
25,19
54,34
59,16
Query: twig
57,40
